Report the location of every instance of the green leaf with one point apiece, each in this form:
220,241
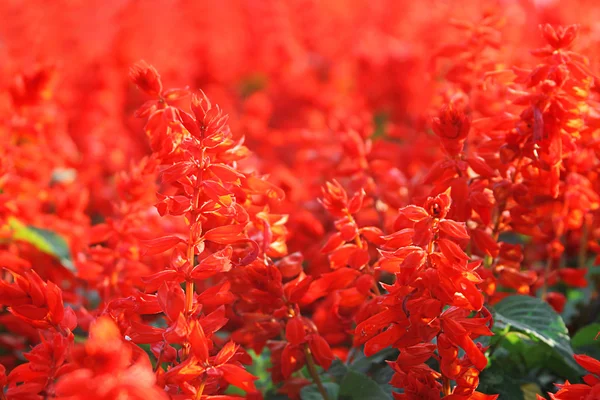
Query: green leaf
234,390
584,341
44,240
526,351
80,339
337,370
252,84
577,298
380,120
383,375
491,382
311,392
364,364
260,368
273,395
586,336
357,386
531,390
508,366
537,319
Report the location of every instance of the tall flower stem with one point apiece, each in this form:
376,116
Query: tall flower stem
312,369
200,389
191,258
446,389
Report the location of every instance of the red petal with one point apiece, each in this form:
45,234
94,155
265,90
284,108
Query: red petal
177,171
478,165
238,377
226,353
55,302
294,331
99,233
30,311
225,173
171,299
574,276
292,359
154,281
160,245
384,339
175,94
452,251
219,261
262,186
199,343
590,364
333,243
217,193
146,78
485,243
226,234
454,229
321,351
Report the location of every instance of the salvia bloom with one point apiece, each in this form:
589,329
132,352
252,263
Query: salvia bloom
337,200
435,295
590,389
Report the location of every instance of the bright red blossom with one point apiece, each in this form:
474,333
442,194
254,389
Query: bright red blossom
374,180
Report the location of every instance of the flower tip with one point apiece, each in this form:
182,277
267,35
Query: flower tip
146,78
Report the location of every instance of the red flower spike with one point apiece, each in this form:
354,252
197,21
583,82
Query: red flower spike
146,78
588,390
104,365
452,127
559,38
410,233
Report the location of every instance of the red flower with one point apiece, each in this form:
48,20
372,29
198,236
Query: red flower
452,127
106,367
589,390
559,37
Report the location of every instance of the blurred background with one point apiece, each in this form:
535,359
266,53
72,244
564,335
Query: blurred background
289,73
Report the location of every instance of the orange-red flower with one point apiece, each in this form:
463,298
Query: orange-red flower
452,127
588,390
106,367
379,178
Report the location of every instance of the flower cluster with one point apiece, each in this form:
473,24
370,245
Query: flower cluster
435,295
338,199
590,389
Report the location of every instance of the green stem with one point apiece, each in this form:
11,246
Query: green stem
446,388
312,368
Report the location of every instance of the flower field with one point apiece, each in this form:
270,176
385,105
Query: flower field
299,199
